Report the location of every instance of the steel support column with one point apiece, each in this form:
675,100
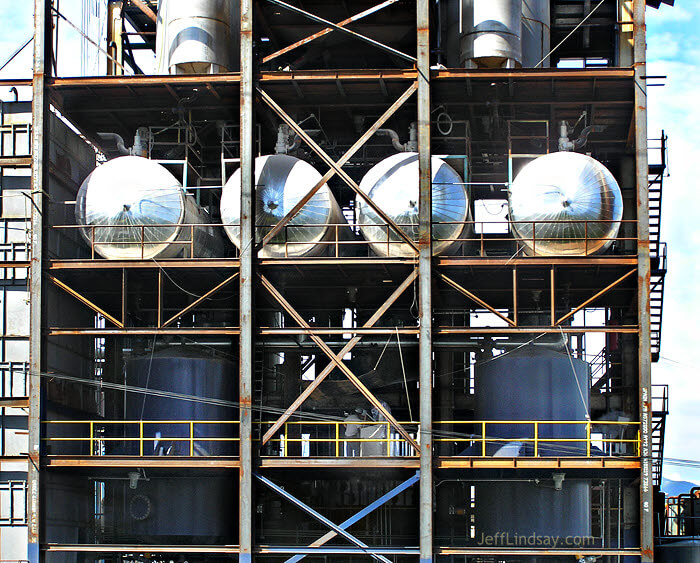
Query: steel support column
425,262
40,107
247,281
644,279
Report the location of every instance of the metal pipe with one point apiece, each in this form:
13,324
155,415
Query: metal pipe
118,139
395,142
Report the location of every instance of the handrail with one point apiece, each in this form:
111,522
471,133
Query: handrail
329,438
474,234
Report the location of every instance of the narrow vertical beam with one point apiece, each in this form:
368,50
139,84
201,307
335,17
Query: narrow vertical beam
425,274
247,280
644,279
42,58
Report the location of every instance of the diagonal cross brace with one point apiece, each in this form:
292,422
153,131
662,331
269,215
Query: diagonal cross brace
341,162
328,30
338,170
330,367
596,296
342,29
477,300
361,514
345,369
318,516
199,300
85,301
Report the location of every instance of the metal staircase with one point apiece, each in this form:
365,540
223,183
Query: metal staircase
657,249
659,405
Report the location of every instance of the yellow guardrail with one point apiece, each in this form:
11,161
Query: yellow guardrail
101,425
537,440
330,438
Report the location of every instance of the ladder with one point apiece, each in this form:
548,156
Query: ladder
659,403
657,250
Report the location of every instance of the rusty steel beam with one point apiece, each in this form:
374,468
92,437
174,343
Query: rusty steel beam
646,493
345,30
141,5
331,355
200,300
596,296
379,313
199,263
340,163
618,329
246,367
43,40
140,461
425,284
449,281
330,162
328,30
85,301
536,463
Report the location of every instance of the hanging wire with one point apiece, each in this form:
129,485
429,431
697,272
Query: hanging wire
573,370
403,370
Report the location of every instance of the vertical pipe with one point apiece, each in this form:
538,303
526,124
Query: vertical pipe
643,282
425,263
246,368
42,58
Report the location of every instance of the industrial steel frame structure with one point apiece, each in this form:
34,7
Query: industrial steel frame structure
620,91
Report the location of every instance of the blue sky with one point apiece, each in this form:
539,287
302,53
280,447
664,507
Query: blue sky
674,51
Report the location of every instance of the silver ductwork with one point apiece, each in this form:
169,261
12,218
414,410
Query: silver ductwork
281,182
392,184
565,204
536,33
497,33
197,36
133,208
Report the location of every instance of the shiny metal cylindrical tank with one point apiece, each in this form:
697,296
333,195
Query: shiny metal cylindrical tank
536,32
197,36
491,33
534,384
565,204
133,208
185,373
392,184
683,551
281,182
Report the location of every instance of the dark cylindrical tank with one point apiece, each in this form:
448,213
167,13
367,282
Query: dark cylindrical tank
171,510
534,384
527,514
191,376
684,551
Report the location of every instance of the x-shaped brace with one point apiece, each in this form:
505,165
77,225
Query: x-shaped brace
318,516
345,30
361,514
328,30
336,359
336,167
